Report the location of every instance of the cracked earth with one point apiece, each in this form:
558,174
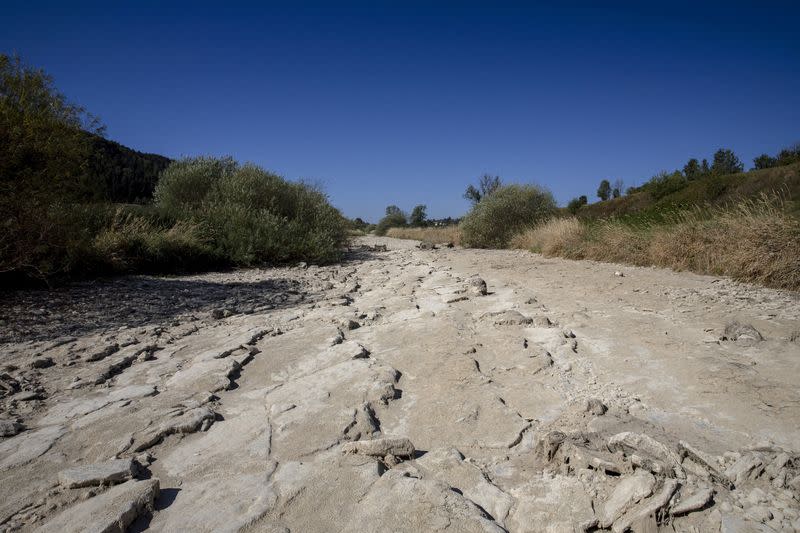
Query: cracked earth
405,389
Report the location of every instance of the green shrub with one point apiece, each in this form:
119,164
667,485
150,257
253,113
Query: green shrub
511,209
134,243
252,216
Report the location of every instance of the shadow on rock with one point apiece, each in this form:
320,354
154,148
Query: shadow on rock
135,301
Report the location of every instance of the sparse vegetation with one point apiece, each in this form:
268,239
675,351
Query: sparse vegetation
432,234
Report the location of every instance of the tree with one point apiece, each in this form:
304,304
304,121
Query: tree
395,218
692,169
575,204
487,184
616,191
790,155
393,210
44,154
418,216
704,170
604,191
726,162
764,161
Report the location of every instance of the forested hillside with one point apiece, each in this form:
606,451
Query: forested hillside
129,176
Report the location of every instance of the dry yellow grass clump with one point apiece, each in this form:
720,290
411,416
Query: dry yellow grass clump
556,237
756,241
435,235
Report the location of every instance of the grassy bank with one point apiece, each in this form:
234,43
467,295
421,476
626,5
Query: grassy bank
669,195
754,241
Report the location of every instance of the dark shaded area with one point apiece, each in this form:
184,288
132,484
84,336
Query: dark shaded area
129,176
106,305
166,497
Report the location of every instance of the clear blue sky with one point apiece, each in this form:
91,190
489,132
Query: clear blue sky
407,102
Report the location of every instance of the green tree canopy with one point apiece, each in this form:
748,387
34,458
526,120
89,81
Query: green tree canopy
575,204
726,162
418,216
764,161
692,169
604,191
44,154
393,210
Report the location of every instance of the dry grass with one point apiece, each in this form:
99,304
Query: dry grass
558,236
756,241
435,235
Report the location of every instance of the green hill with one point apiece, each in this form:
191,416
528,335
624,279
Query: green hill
670,193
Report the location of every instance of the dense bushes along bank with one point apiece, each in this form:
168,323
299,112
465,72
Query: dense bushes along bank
58,179
208,213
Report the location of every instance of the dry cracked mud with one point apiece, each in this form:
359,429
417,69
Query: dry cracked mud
402,390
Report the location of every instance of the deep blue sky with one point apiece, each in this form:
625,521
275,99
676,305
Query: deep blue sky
407,103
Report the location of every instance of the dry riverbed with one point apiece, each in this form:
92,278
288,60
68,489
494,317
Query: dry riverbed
402,390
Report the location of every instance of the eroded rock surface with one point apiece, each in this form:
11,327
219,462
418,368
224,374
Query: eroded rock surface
406,389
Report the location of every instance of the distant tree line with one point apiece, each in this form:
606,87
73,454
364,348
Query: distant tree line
724,162
397,218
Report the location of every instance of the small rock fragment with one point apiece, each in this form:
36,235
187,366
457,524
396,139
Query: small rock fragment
399,447
648,508
704,460
628,492
759,513
112,511
548,445
476,285
27,396
9,428
595,406
743,333
510,317
103,353
630,442
744,468
42,362
692,502
189,422
110,472
542,322
350,324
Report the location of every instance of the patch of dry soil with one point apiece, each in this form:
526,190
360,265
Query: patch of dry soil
399,392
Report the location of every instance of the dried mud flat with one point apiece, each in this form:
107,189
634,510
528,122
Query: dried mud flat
403,390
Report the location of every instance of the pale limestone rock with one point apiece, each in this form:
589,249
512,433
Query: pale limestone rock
109,512
109,472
